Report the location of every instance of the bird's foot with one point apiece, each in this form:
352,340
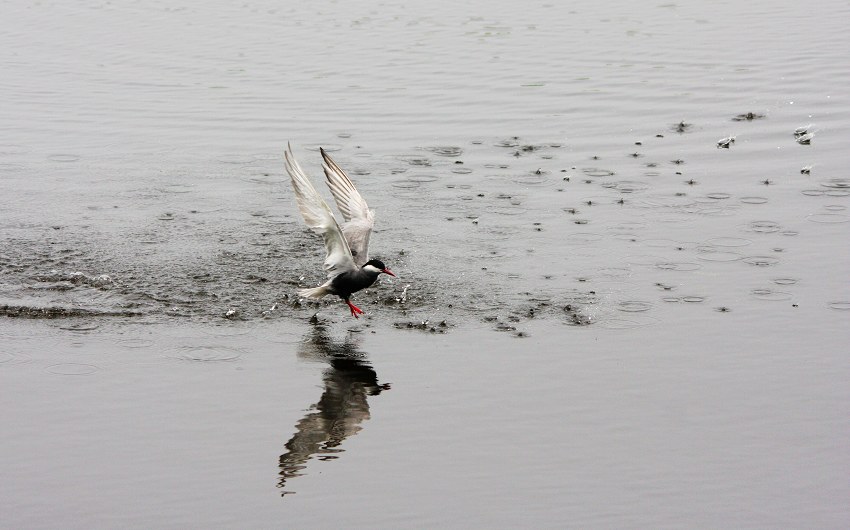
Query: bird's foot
355,311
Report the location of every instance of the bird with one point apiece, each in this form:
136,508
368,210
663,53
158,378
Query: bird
347,247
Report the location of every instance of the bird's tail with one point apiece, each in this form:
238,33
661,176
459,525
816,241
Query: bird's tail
315,292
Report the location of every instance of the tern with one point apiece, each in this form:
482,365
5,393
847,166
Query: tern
347,247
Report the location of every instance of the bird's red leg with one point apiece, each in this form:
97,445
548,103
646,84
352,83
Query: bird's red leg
355,311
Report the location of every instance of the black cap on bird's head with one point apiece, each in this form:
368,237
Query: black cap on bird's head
378,266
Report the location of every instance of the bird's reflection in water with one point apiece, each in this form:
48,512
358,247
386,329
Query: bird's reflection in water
349,382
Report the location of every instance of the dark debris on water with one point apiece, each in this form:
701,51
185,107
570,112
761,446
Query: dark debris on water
748,116
423,325
51,312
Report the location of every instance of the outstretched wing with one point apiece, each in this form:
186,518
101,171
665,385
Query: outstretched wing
319,218
359,219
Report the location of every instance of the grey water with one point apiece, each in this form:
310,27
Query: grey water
620,232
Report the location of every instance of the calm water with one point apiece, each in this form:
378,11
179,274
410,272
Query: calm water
602,319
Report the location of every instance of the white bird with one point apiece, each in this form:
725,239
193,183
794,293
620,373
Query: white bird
347,248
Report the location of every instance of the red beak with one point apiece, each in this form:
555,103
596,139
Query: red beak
388,271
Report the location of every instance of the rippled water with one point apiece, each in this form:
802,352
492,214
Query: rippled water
608,312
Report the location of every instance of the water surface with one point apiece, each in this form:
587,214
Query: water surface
603,316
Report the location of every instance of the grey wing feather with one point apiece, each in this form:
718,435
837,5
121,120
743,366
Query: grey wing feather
357,234
318,217
359,219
